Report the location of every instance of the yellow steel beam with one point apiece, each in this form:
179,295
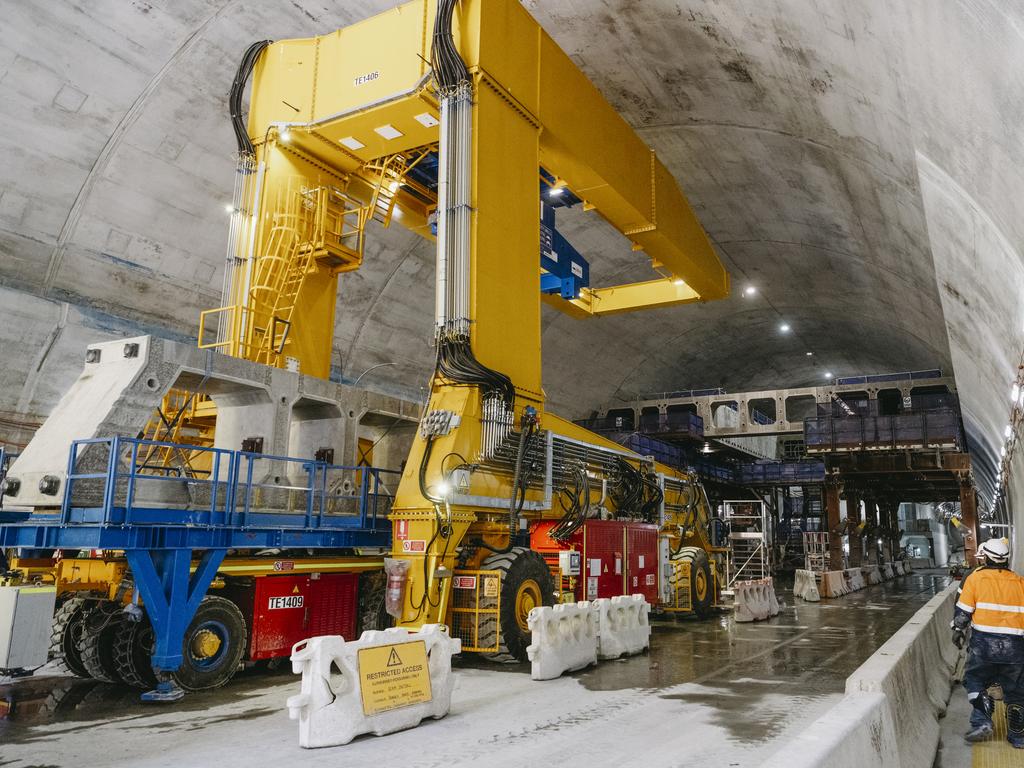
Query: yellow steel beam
616,299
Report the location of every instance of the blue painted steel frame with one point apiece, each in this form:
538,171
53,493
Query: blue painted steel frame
159,542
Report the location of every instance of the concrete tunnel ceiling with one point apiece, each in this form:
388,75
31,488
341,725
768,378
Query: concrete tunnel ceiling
859,163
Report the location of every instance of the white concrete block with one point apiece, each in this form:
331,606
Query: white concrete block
563,639
805,585
623,626
330,708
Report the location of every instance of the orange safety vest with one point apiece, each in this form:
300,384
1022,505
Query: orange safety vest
995,599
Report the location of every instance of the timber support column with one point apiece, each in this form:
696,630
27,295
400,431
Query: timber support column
855,533
969,518
833,487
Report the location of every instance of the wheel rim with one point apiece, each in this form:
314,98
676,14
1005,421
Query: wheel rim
528,597
208,645
701,585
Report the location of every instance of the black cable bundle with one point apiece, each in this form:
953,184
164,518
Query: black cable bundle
457,363
576,503
635,492
449,68
252,53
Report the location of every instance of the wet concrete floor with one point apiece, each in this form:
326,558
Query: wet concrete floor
711,690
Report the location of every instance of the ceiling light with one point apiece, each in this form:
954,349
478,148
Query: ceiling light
556,191
387,131
706,448
1015,392
828,374
426,119
351,142
810,354
229,207
749,290
1008,432
784,328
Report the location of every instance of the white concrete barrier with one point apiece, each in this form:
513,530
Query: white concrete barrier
889,716
754,600
887,572
833,584
563,638
805,585
623,625
854,579
871,574
389,681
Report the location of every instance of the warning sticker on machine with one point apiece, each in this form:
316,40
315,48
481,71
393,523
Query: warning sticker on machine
393,676
414,545
464,582
290,601
284,565
490,586
650,580
591,588
402,530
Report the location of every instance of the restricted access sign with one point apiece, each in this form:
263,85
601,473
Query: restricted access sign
393,676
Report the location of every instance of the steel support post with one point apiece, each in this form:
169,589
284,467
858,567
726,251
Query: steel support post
833,487
855,532
969,518
871,531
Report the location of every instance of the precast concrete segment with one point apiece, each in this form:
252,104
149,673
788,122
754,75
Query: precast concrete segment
732,692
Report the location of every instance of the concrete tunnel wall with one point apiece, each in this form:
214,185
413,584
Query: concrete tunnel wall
859,163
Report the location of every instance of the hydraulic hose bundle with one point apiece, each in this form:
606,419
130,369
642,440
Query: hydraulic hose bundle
252,53
635,492
576,503
449,68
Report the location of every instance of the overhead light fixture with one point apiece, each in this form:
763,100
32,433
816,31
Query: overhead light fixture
387,131
706,448
444,488
810,354
351,142
749,290
229,207
828,374
284,135
556,191
426,119
1015,392
1008,432
784,328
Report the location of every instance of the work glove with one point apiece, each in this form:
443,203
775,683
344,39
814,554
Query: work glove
959,637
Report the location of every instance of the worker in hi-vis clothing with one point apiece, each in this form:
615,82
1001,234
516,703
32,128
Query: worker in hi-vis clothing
991,602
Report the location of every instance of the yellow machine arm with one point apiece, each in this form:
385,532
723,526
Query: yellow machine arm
336,126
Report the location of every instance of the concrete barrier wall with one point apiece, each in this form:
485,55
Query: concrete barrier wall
889,715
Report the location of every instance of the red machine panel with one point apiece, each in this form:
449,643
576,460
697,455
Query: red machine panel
642,561
287,609
618,558
604,550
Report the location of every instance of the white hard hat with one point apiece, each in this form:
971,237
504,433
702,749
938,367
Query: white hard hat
996,550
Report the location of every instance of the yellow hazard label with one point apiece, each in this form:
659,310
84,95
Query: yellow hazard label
491,586
393,676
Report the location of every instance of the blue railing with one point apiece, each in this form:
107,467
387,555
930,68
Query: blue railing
236,489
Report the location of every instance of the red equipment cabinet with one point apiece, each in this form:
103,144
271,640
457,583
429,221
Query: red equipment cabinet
617,557
287,609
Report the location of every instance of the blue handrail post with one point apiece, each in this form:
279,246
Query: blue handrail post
130,491
248,489
323,496
65,511
111,488
310,469
364,491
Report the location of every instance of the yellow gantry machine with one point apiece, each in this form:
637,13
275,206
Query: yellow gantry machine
336,126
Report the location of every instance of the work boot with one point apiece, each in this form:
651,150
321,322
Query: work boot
978,733
1015,725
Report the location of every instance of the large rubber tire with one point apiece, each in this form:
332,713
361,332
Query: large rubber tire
65,634
216,621
100,629
702,586
372,613
525,583
133,653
